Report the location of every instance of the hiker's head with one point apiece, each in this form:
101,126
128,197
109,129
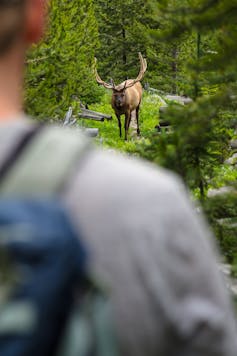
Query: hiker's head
21,23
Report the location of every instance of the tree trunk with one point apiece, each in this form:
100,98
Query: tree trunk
174,67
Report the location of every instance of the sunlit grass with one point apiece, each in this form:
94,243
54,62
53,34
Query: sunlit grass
108,130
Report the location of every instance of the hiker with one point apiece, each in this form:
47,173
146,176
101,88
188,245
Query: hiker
146,245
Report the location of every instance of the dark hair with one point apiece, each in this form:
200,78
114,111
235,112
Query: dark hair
10,2
11,19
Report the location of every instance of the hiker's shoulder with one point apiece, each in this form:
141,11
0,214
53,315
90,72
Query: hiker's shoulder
113,171
53,138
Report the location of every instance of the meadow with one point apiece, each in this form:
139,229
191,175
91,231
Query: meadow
108,130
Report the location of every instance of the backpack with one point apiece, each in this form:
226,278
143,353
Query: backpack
49,303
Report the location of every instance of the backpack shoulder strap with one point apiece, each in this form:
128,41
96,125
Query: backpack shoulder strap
41,170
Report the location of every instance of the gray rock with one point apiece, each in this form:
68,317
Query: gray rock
219,191
232,160
180,99
231,283
91,132
233,144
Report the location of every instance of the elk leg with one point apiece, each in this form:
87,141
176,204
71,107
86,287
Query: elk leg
119,125
126,124
137,118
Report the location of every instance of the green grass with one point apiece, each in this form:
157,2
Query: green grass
109,131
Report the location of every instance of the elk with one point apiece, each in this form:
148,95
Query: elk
126,96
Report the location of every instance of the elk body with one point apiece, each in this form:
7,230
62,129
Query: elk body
126,97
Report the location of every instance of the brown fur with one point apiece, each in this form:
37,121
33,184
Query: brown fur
126,97
124,102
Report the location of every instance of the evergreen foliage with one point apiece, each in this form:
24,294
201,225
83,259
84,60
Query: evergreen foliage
122,32
201,130
60,68
164,56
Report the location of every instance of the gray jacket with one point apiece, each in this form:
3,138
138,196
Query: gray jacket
153,252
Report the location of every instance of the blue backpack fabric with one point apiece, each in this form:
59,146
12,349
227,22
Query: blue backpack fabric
48,264
49,304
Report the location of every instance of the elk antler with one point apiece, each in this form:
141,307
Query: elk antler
99,80
143,67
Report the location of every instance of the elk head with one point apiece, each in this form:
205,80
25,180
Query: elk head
126,96
128,83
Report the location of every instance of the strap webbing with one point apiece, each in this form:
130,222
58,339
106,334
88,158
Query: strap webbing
17,151
46,163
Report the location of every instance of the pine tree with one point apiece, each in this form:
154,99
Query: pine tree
122,36
164,66
199,141
60,69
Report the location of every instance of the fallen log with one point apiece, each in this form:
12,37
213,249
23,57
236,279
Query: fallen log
87,111
93,115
